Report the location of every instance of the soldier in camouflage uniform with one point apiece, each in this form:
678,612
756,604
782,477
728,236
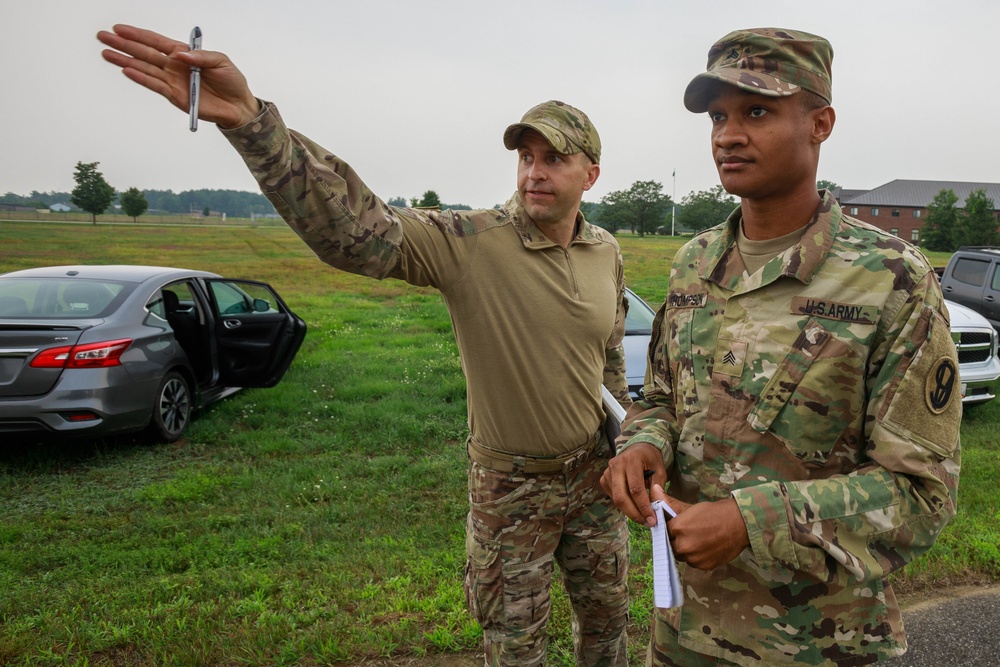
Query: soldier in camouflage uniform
536,296
800,401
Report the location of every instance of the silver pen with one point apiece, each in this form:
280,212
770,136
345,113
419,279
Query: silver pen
195,44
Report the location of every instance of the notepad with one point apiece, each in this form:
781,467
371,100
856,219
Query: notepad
667,591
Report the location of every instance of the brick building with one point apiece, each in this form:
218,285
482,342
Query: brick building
900,207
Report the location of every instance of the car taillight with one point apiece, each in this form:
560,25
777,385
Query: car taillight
91,355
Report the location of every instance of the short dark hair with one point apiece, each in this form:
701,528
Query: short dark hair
811,101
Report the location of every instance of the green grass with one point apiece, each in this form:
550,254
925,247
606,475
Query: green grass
319,522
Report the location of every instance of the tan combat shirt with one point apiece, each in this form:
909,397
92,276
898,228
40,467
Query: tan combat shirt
539,327
821,393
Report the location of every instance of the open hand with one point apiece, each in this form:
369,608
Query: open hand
163,65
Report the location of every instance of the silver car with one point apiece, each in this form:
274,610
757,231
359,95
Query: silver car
638,329
100,350
978,365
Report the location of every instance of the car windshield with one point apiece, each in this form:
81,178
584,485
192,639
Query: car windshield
640,316
59,298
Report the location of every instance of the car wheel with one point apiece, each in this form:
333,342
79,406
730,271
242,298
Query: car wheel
172,408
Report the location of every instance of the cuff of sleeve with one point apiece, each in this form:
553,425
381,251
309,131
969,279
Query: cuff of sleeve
764,512
626,441
261,134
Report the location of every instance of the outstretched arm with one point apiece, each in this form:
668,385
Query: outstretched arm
163,65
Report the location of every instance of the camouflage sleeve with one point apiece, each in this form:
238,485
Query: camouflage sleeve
328,205
614,353
892,508
656,419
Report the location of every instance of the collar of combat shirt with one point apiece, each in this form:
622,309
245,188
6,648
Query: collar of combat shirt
533,238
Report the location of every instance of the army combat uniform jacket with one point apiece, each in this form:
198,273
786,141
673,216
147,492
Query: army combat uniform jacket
515,297
822,394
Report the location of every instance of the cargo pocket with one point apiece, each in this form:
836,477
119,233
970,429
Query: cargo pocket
609,569
814,395
526,599
483,577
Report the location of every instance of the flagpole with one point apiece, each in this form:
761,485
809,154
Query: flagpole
673,207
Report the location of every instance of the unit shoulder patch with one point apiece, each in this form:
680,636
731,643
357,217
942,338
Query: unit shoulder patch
940,385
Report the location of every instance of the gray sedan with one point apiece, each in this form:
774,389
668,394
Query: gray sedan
99,350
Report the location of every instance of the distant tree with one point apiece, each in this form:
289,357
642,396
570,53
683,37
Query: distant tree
234,203
613,212
205,212
706,208
823,184
940,231
591,212
133,203
642,208
978,224
429,200
92,193
397,201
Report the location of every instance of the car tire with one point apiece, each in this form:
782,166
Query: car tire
172,408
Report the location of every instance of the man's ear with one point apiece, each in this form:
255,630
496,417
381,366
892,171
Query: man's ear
592,173
824,119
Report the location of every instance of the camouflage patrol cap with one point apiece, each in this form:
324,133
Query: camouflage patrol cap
768,61
567,128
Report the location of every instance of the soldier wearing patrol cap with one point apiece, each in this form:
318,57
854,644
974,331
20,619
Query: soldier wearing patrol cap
537,300
801,404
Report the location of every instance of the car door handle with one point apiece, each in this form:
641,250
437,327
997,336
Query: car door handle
989,298
232,324
949,288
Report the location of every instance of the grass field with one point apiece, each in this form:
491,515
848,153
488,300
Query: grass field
318,522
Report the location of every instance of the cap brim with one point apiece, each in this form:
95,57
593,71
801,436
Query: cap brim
703,87
512,136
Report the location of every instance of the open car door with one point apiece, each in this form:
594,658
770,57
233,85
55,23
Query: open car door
256,335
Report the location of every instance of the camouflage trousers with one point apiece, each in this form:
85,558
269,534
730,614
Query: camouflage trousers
666,651
518,527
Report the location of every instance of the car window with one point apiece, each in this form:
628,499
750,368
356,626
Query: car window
182,299
639,319
970,271
59,299
155,306
233,298
995,284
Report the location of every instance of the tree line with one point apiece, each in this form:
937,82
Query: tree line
94,193
948,227
642,208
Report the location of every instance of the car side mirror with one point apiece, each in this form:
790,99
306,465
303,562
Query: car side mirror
261,305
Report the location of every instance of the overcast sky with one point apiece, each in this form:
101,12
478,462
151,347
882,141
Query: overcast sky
416,94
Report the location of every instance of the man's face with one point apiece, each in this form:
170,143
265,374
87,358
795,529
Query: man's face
763,146
551,184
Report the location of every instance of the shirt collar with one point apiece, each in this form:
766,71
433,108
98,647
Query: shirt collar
722,264
533,238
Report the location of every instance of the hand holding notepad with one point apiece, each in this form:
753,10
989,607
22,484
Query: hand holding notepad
667,591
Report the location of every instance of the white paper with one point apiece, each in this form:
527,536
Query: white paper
667,591
611,405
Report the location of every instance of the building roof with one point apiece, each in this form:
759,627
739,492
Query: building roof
919,194
843,194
